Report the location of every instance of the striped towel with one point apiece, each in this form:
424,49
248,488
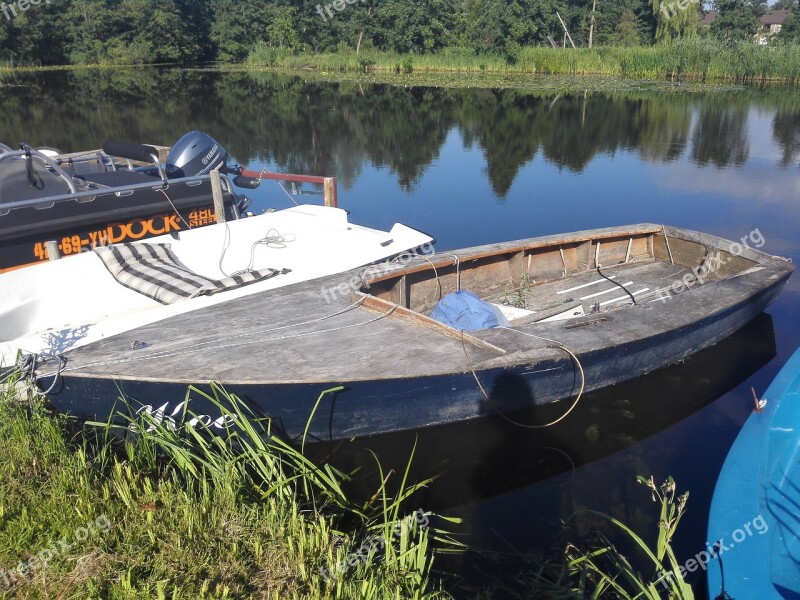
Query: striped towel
154,271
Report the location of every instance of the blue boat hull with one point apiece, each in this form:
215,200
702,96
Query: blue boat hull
755,511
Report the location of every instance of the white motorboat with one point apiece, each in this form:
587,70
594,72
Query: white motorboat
52,307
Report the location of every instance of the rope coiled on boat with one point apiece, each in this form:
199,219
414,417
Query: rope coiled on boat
553,344
25,370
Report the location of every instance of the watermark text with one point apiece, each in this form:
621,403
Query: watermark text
702,558
25,569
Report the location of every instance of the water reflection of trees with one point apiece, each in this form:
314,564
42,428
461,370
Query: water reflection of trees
303,125
786,131
720,136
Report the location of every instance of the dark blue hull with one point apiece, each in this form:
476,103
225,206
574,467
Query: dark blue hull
380,406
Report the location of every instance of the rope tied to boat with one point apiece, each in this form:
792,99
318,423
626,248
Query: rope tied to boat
554,344
272,239
457,259
172,204
62,362
288,195
25,370
22,369
599,272
254,332
603,275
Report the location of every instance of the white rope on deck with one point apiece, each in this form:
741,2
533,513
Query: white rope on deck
212,343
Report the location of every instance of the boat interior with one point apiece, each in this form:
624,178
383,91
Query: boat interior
560,278
31,177
28,173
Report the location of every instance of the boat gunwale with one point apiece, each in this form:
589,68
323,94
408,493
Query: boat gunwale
774,273
419,263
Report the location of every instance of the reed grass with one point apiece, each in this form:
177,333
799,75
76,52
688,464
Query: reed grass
598,568
188,514
703,59
192,515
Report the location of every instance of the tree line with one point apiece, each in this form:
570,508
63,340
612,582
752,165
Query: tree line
51,32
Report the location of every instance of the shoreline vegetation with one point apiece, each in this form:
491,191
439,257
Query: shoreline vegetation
698,61
169,512
653,39
694,60
169,515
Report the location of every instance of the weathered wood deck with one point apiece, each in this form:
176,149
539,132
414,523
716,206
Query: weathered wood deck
295,335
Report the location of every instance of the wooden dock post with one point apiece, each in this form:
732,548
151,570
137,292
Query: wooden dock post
216,192
52,250
331,194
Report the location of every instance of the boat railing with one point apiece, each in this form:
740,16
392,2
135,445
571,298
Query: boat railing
30,154
101,158
142,153
329,184
98,156
91,194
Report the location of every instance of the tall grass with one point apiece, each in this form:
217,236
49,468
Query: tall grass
188,514
599,569
192,515
704,59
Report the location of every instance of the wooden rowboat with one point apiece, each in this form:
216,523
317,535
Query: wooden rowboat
586,310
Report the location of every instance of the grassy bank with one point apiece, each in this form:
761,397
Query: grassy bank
165,516
699,59
175,514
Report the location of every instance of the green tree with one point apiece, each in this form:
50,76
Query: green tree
626,32
165,35
239,25
613,13
676,19
281,30
791,29
411,26
504,26
5,35
737,19
92,25
38,35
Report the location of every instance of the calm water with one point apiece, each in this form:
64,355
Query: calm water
474,166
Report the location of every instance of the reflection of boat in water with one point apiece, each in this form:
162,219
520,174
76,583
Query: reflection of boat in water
601,307
500,452
754,523
122,193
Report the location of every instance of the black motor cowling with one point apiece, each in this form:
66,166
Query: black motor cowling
196,153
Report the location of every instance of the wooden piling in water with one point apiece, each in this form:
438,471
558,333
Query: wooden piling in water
52,250
216,192
331,194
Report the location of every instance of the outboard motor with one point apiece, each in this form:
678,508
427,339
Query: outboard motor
196,153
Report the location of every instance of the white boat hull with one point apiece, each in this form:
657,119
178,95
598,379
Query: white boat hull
56,306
